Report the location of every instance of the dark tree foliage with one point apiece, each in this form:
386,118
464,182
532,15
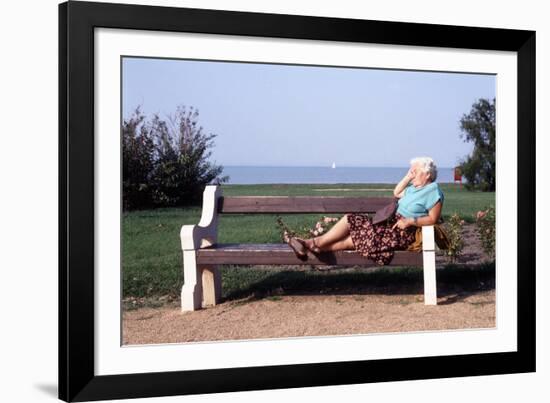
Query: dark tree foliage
479,127
138,150
172,168
182,168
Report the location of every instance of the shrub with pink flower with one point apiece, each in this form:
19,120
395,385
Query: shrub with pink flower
304,231
454,232
485,221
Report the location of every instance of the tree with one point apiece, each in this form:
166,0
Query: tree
182,168
479,127
138,151
165,162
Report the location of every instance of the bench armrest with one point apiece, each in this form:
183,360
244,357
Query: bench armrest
428,238
205,233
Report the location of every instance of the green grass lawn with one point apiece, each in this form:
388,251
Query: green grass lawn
152,262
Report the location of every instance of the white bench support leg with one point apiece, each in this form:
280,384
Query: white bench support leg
428,255
430,285
191,292
202,285
211,285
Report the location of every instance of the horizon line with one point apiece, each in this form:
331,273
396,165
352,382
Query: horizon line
320,166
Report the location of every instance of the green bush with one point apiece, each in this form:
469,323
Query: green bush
454,231
138,152
166,161
485,221
304,231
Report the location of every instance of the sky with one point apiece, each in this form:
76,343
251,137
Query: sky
287,115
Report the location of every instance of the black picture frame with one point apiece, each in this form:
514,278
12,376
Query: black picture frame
77,21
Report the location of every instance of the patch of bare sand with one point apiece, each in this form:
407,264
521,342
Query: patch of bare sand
308,315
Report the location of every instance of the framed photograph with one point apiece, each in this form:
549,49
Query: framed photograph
307,109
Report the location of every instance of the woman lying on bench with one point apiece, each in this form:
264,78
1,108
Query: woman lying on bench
420,203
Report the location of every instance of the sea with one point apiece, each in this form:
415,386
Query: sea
247,175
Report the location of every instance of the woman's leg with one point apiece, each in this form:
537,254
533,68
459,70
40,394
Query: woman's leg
339,232
346,243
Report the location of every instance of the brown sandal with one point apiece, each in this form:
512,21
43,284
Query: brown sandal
298,246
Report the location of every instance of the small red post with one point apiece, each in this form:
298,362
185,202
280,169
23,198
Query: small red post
458,176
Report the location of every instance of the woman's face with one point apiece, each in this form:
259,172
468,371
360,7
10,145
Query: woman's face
420,177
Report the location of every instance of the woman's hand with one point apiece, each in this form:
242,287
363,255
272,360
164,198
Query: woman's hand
399,190
403,223
410,174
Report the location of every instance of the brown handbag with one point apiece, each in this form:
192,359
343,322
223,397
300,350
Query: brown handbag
386,212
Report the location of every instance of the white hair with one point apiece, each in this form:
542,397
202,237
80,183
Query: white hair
428,165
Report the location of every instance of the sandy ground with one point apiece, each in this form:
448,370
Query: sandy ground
308,315
358,311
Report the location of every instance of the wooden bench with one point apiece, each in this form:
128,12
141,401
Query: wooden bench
202,254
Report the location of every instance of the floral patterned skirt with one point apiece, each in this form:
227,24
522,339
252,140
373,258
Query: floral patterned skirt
378,241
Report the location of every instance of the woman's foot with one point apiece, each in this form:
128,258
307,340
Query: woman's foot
298,246
310,244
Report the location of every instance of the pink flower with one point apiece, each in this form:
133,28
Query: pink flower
315,233
329,219
461,222
481,214
320,230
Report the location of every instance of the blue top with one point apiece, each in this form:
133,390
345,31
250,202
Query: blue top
416,202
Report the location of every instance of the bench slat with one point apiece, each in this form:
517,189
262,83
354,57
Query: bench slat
300,204
282,254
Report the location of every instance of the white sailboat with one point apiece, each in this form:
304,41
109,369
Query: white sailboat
333,165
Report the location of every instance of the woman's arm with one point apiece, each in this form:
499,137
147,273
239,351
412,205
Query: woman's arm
400,187
432,218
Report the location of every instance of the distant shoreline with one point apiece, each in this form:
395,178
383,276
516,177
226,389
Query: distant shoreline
249,174
319,166
391,184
